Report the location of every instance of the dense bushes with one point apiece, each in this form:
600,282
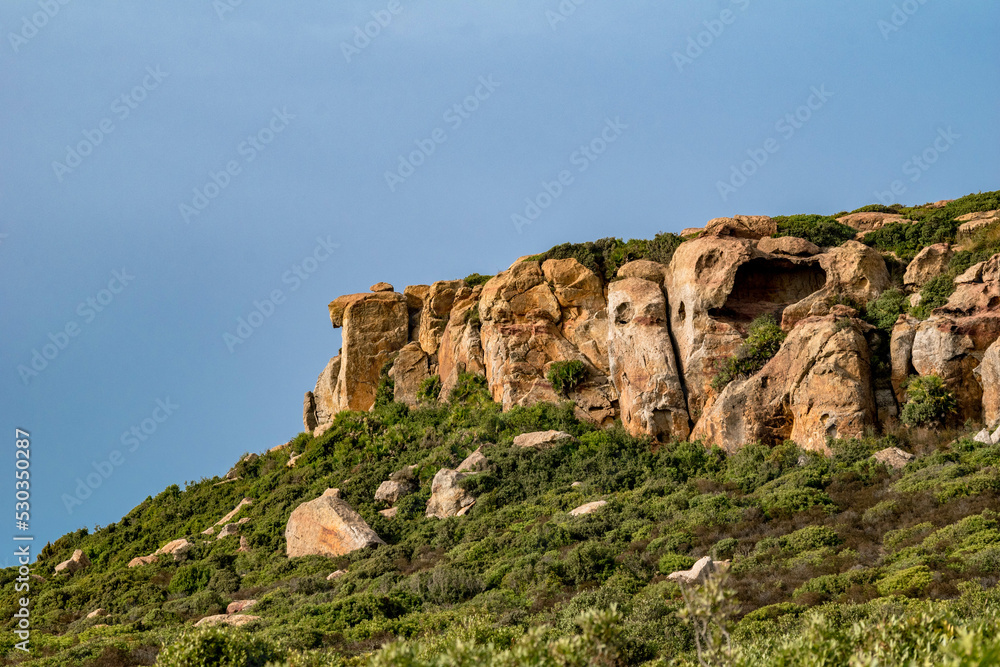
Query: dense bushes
822,230
605,256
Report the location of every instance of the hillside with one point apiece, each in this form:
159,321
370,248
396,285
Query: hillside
752,402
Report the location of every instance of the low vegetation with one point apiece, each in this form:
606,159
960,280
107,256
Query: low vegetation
605,256
764,338
830,555
566,375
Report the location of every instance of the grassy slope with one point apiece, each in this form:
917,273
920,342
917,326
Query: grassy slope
804,532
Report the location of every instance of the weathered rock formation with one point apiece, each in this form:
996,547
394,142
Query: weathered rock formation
327,526
78,561
448,498
541,439
652,339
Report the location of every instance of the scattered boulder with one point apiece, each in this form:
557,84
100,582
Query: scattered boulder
78,561
327,526
390,491
226,519
894,457
336,575
227,530
381,287
244,545
588,508
239,605
702,568
542,439
142,560
209,531
389,513
576,485
292,460
97,613
244,520
929,263
447,497
984,437
177,548
236,620
474,462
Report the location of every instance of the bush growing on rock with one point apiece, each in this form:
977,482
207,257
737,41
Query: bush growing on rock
430,389
566,375
474,279
929,402
822,230
763,341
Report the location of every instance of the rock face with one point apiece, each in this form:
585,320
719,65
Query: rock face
988,373
78,561
327,526
528,324
817,386
901,353
641,354
411,367
177,548
930,262
447,497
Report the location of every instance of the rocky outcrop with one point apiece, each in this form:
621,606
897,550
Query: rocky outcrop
930,262
237,606
702,568
894,457
974,222
870,221
390,491
327,526
436,312
139,561
176,548
901,354
78,561
643,367
741,226
246,502
376,326
817,386
588,508
461,349
788,245
448,498
236,620
474,462
541,439
411,367
525,328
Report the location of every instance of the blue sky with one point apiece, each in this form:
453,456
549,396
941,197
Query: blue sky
180,164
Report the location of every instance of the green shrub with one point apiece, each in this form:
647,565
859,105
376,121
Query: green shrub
430,389
725,548
565,376
470,387
808,538
216,647
934,294
822,230
929,402
474,279
763,341
674,563
911,581
189,579
605,256
878,208
886,309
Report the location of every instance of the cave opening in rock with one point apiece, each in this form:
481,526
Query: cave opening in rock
763,286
